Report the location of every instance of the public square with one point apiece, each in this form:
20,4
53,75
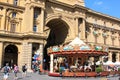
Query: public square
36,76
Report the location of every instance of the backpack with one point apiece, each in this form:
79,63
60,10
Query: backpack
23,68
6,69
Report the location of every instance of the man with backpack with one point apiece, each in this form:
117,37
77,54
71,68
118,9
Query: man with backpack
24,70
6,70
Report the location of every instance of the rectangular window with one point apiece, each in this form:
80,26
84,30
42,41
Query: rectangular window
13,27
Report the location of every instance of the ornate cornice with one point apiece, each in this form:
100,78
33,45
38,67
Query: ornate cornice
103,15
11,6
76,6
16,35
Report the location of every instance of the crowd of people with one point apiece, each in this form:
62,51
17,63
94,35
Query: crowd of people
15,69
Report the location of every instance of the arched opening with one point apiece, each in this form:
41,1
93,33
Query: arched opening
10,55
58,33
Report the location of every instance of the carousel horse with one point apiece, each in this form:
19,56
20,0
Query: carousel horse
87,67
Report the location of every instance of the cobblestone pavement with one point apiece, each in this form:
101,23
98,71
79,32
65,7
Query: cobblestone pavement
36,76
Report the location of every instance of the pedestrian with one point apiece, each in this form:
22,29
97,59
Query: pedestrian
6,70
16,69
24,70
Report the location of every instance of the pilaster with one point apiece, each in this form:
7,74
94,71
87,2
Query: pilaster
110,56
3,20
31,18
77,28
42,20
83,29
117,57
26,54
1,53
28,18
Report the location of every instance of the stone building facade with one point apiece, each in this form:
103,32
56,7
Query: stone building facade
27,26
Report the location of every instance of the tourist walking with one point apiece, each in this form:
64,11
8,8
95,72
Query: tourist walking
6,70
16,69
24,70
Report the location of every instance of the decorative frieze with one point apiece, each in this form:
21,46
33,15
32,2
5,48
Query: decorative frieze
106,28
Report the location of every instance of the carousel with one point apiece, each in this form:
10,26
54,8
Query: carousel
74,59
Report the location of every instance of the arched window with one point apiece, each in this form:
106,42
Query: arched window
13,14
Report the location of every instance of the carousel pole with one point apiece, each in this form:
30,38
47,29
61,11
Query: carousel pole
94,63
51,63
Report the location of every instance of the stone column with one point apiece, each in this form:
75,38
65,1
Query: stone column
77,29
51,63
83,30
31,18
1,53
29,58
27,54
3,20
110,56
28,18
42,20
117,57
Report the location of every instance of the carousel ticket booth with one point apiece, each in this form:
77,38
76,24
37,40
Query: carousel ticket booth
73,59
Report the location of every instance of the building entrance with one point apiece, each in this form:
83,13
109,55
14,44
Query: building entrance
10,55
57,35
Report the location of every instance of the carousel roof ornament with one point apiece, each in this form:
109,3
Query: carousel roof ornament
77,41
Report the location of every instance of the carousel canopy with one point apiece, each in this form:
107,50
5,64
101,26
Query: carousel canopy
76,47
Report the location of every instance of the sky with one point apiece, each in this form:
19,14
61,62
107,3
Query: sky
109,7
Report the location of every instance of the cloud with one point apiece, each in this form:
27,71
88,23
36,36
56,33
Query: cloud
98,3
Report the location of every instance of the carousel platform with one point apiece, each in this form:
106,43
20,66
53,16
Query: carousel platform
84,74
54,74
